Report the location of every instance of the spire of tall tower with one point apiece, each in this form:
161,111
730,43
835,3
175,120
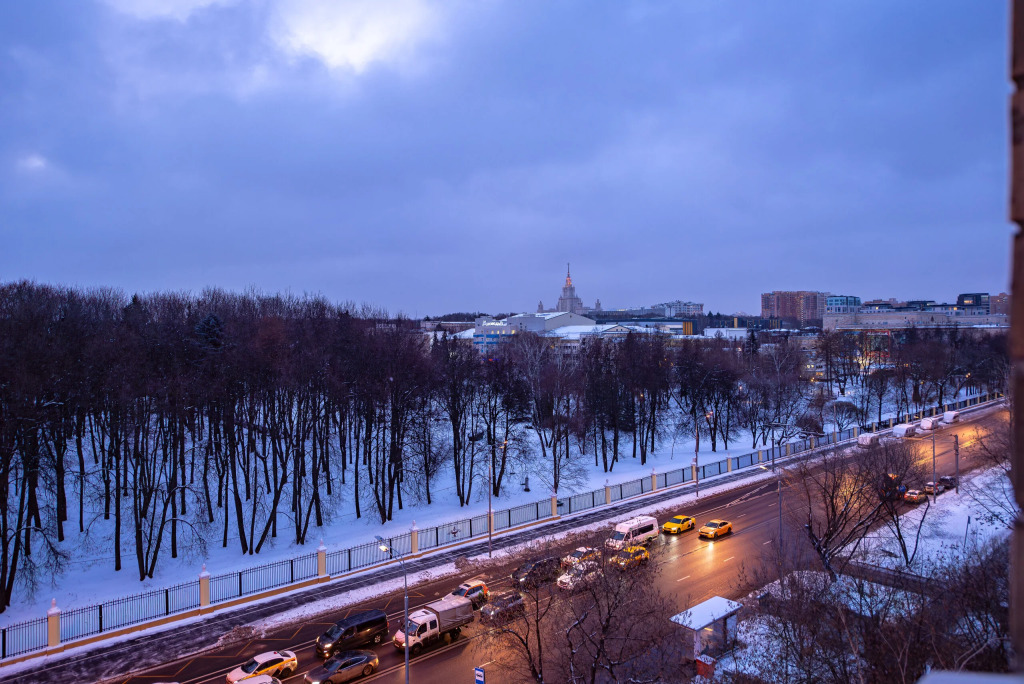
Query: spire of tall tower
568,277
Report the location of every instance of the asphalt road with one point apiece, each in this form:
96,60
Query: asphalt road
692,571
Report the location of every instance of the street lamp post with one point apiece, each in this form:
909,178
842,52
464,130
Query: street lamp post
405,614
935,482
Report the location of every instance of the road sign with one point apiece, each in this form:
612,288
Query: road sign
478,675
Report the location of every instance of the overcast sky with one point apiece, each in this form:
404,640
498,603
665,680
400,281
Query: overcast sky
448,156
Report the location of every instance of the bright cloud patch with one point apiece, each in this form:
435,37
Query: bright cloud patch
33,163
353,34
178,10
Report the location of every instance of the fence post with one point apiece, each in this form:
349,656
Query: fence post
53,625
654,479
321,560
856,431
788,445
204,589
554,504
607,493
414,539
693,473
728,464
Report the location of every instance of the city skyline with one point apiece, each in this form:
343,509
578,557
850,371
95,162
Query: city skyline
429,157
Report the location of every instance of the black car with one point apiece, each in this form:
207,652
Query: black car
367,627
948,481
502,607
343,667
537,572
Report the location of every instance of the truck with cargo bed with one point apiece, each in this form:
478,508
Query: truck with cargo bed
438,621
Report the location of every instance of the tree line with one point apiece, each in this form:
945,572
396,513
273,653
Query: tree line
155,424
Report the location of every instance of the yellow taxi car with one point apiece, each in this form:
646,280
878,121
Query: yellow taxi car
680,523
715,528
630,557
282,663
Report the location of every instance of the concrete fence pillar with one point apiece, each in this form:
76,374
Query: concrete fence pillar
890,422
654,479
856,432
414,540
728,464
835,436
760,455
693,473
607,493
554,505
53,625
788,447
321,560
490,522
204,588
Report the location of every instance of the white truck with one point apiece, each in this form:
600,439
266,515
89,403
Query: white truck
440,620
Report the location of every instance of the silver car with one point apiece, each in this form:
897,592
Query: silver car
344,667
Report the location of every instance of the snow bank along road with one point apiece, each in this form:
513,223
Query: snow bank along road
693,570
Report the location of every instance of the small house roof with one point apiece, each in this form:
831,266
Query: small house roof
707,613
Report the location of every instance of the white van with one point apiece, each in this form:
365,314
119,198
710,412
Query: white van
638,530
903,430
929,423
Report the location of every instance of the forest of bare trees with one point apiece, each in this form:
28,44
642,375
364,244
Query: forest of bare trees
154,425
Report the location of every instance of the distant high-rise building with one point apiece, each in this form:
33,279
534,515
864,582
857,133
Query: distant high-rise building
999,304
568,302
801,305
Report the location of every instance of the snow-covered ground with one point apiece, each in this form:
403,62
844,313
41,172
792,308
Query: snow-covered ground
945,534
90,579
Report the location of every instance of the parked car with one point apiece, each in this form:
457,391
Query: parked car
579,575
715,528
502,607
360,629
914,496
536,572
282,663
891,488
948,481
343,667
631,557
583,553
475,590
933,488
680,523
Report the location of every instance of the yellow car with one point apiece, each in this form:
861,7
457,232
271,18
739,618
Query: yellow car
715,528
680,523
630,557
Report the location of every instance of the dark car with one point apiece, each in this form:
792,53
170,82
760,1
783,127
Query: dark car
343,667
367,627
537,572
948,481
502,607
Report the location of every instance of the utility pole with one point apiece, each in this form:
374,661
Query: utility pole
956,460
935,482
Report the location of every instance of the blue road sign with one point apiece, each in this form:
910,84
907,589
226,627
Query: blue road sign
478,675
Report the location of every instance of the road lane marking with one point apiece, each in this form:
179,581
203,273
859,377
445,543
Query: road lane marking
767,542
683,578
728,559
